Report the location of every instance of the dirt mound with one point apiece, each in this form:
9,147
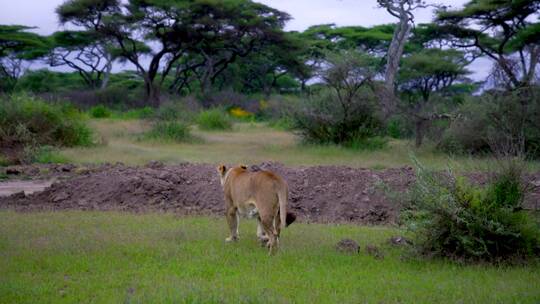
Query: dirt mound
321,194
317,194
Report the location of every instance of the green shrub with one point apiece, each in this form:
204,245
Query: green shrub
48,155
400,127
214,119
499,120
453,218
367,143
322,120
4,161
29,122
140,113
283,123
169,131
100,111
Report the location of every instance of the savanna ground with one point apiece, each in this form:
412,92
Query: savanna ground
111,257
252,143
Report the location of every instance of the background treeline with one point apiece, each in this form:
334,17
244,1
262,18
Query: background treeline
349,85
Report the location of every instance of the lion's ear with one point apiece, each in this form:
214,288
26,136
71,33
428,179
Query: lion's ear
243,166
222,169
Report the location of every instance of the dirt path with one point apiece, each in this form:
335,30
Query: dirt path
28,187
317,194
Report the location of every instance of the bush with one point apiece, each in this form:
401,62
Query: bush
214,119
100,111
169,131
25,119
499,120
4,161
322,120
399,127
452,218
30,122
346,110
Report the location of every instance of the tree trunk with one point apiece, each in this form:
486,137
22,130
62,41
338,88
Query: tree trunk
395,52
107,72
153,96
206,81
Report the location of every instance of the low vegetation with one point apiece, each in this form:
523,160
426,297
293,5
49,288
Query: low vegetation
498,119
100,111
26,123
214,119
169,131
453,218
118,257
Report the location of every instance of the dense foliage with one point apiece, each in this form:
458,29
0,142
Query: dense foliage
27,123
452,218
499,120
352,83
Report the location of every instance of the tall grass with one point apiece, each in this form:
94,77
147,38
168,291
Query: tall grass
214,119
173,131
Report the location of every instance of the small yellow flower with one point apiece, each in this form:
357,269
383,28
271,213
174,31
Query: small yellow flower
240,113
263,104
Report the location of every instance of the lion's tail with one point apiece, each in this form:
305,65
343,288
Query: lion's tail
283,198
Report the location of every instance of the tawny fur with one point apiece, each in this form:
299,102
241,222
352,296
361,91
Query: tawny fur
264,190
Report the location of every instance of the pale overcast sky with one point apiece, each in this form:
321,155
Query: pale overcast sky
40,13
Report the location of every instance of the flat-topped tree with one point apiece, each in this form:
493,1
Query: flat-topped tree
223,31
262,71
154,34
85,52
320,39
506,31
16,46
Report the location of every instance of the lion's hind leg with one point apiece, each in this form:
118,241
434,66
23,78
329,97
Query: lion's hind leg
232,221
268,227
261,235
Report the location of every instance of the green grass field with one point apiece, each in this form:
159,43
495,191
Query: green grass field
102,257
252,143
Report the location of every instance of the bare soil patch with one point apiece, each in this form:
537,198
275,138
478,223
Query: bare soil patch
317,194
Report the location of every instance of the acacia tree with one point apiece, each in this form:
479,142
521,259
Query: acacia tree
344,112
235,30
17,45
164,31
504,31
425,74
84,52
262,70
325,38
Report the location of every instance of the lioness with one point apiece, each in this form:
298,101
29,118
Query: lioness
261,193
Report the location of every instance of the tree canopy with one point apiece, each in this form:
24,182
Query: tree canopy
17,44
506,31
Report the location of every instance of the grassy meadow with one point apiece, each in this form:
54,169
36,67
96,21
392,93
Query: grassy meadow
107,257
103,257
252,143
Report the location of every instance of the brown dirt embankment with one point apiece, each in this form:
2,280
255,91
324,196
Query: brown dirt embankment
317,194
